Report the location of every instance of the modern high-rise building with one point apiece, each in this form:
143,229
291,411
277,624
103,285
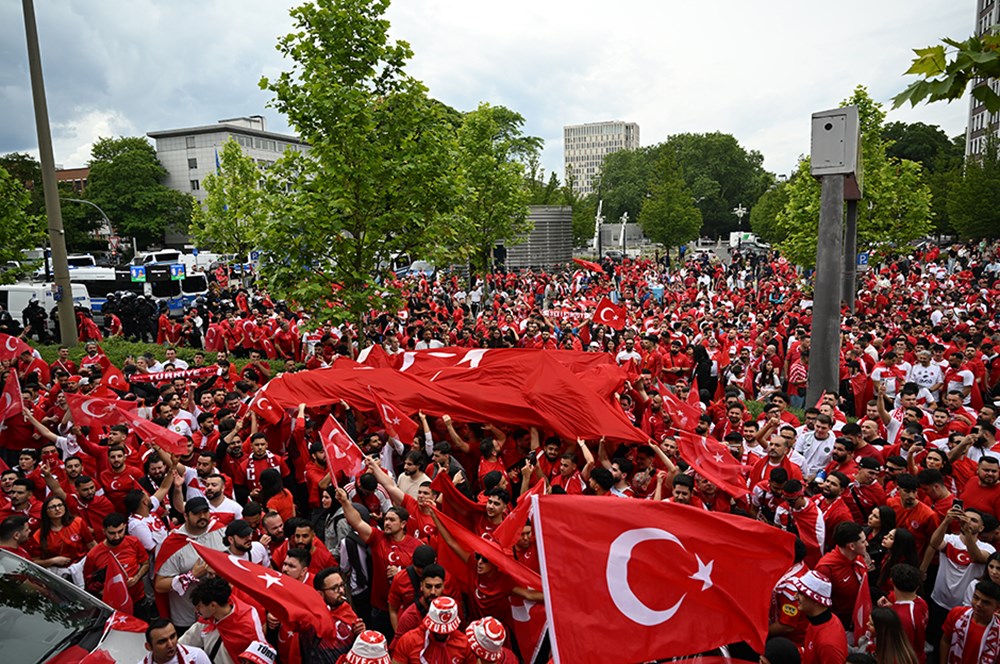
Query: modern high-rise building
585,146
191,153
982,123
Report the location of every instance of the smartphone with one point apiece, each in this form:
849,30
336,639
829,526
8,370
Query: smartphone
958,503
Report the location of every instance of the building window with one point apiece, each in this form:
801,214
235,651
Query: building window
189,141
194,185
192,163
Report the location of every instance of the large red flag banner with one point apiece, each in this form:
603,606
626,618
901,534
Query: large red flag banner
673,577
562,391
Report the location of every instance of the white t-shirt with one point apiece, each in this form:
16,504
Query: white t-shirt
956,571
925,376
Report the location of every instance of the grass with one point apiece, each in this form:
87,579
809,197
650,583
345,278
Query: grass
118,350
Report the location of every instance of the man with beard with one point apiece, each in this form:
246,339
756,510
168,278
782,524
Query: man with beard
260,459
675,363
413,475
178,566
778,449
495,509
84,502
984,493
329,583
842,458
224,508
800,516
431,587
830,500
274,531
317,474
300,535
438,639
126,549
156,469
240,544
118,478
547,458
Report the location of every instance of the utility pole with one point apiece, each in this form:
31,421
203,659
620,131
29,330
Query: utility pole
836,162
57,236
850,254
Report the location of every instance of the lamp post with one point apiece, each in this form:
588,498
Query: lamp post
740,212
114,249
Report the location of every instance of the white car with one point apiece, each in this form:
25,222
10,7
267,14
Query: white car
43,616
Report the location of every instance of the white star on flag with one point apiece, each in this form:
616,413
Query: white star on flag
270,580
704,573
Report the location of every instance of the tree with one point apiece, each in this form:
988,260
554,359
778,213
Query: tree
721,175
234,212
492,155
669,216
625,180
19,229
897,205
974,200
380,177
126,181
926,144
946,69
764,214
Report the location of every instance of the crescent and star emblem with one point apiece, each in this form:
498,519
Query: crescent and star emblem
619,555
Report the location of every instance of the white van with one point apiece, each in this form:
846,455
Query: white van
15,297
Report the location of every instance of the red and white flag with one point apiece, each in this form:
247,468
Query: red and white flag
610,314
88,410
342,453
12,347
528,621
862,609
296,605
713,461
11,403
682,414
116,594
170,441
665,574
397,423
262,405
115,379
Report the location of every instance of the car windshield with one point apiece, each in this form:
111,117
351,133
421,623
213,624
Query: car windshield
40,616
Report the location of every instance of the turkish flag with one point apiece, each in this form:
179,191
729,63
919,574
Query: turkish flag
590,265
296,605
342,453
610,314
713,461
122,622
116,594
263,406
12,347
88,410
674,578
115,379
397,424
12,402
682,414
509,530
171,441
862,609
694,394
99,656
528,620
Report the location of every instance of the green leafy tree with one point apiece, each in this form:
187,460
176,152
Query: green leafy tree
721,175
926,144
381,175
26,170
946,69
19,229
974,200
668,215
126,181
234,212
625,180
493,153
897,205
764,214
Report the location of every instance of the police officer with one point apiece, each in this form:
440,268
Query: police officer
34,316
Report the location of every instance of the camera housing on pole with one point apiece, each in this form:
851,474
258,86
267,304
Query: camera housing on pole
836,162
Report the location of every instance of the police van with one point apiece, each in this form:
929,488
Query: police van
16,297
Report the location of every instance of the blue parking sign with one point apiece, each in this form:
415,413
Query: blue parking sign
863,258
255,256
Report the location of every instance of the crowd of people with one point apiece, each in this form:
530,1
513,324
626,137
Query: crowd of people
890,483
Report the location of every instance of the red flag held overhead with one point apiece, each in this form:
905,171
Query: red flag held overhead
610,314
397,423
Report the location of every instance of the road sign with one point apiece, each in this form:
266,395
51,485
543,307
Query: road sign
114,242
138,273
863,258
177,272
255,256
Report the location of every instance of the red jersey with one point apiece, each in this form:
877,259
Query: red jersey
825,641
913,615
129,553
920,520
386,552
845,577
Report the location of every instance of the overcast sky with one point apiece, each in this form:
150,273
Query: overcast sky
753,68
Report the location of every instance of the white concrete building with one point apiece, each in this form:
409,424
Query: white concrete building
982,122
586,145
191,153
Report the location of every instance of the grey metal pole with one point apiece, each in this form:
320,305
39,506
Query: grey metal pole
57,236
850,255
824,355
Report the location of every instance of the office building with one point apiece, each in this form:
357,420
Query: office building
982,123
191,153
586,145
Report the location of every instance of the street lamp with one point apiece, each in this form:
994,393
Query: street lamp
111,229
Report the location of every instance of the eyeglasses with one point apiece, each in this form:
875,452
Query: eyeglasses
336,586
56,506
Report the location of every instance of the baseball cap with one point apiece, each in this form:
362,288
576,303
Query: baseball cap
486,638
259,652
816,587
870,463
197,504
368,648
442,616
239,527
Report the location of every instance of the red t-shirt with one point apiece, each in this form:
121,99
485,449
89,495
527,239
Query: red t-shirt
117,485
913,615
974,638
386,552
984,499
419,647
129,553
825,643
70,541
